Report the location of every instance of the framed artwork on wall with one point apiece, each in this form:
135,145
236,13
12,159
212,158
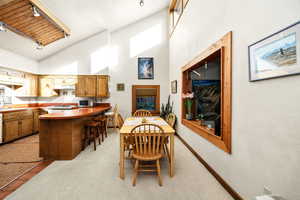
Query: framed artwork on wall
174,87
120,87
145,68
277,55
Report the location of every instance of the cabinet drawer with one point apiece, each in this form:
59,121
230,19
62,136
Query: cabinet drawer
11,116
26,114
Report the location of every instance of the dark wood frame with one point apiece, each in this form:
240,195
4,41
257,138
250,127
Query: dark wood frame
157,103
249,56
224,45
140,58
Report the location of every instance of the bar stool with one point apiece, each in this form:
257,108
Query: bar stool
102,125
92,133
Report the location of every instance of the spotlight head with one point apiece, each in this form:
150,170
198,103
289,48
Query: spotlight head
39,46
35,12
2,27
142,3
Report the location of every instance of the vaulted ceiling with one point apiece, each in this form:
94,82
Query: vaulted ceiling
84,18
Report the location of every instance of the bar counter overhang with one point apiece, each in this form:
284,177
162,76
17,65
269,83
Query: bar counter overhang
61,134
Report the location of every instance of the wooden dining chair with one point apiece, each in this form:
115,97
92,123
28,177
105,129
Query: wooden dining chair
142,113
148,146
171,119
113,116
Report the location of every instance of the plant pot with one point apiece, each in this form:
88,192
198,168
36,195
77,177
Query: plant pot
189,116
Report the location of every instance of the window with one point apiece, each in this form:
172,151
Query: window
208,77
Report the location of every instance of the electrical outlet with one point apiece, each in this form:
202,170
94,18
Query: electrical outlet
267,191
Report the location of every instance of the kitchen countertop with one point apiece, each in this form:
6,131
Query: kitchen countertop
7,110
75,113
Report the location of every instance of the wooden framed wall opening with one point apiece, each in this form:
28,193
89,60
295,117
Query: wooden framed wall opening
217,61
146,97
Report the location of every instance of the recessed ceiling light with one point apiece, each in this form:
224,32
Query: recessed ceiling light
35,11
142,3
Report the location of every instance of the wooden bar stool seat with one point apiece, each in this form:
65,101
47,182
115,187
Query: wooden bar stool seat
92,132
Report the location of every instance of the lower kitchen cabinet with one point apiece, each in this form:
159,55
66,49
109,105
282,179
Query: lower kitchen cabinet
18,124
10,130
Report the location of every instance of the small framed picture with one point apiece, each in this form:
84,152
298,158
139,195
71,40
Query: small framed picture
276,56
174,87
120,87
145,68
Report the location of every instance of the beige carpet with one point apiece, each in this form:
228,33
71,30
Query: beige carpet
23,150
95,175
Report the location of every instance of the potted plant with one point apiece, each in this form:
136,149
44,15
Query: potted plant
188,101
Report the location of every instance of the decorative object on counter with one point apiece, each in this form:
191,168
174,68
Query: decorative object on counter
145,68
188,101
166,109
276,55
174,87
144,120
120,87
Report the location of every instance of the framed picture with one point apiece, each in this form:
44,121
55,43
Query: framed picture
120,87
145,68
174,87
276,56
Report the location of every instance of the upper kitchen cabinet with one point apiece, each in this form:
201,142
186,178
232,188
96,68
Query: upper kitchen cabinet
92,86
30,86
102,86
47,85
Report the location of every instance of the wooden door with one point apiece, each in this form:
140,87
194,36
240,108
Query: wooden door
10,130
26,127
102,86
91,85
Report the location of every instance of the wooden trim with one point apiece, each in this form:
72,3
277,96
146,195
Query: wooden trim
157,87
226,186
224,45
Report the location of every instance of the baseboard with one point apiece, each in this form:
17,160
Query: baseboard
226,186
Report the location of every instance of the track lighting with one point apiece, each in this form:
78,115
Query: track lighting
2,27
142,3
39,46
35,11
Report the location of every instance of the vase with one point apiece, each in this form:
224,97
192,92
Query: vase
189,116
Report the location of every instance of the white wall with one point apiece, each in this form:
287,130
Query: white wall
118,62
265,123
18,62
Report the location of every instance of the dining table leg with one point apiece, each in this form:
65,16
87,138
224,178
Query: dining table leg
122,172
171,155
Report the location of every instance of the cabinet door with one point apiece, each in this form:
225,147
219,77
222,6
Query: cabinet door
33,90
47,87
10,130
80,87
36,121
26,127
102,86
91,84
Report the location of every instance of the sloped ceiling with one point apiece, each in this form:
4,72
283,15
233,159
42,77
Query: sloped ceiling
84,18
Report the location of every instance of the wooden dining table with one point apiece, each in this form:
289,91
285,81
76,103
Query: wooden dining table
125,131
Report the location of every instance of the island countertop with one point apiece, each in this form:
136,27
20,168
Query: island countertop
75,113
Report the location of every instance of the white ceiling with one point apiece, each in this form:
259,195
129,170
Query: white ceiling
85,18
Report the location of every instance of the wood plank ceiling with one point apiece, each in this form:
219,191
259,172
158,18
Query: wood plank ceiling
44,29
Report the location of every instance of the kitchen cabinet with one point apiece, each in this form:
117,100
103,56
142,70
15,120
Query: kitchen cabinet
46,88
17,124
30,86
92,86
86,86
102,86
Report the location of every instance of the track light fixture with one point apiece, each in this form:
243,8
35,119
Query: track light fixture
35,11
39,46
142,3
2,27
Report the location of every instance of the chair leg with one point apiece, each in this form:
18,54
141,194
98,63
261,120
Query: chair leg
158,173
94,139
99,135
135,172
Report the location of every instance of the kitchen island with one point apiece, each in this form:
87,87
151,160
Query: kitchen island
61,134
